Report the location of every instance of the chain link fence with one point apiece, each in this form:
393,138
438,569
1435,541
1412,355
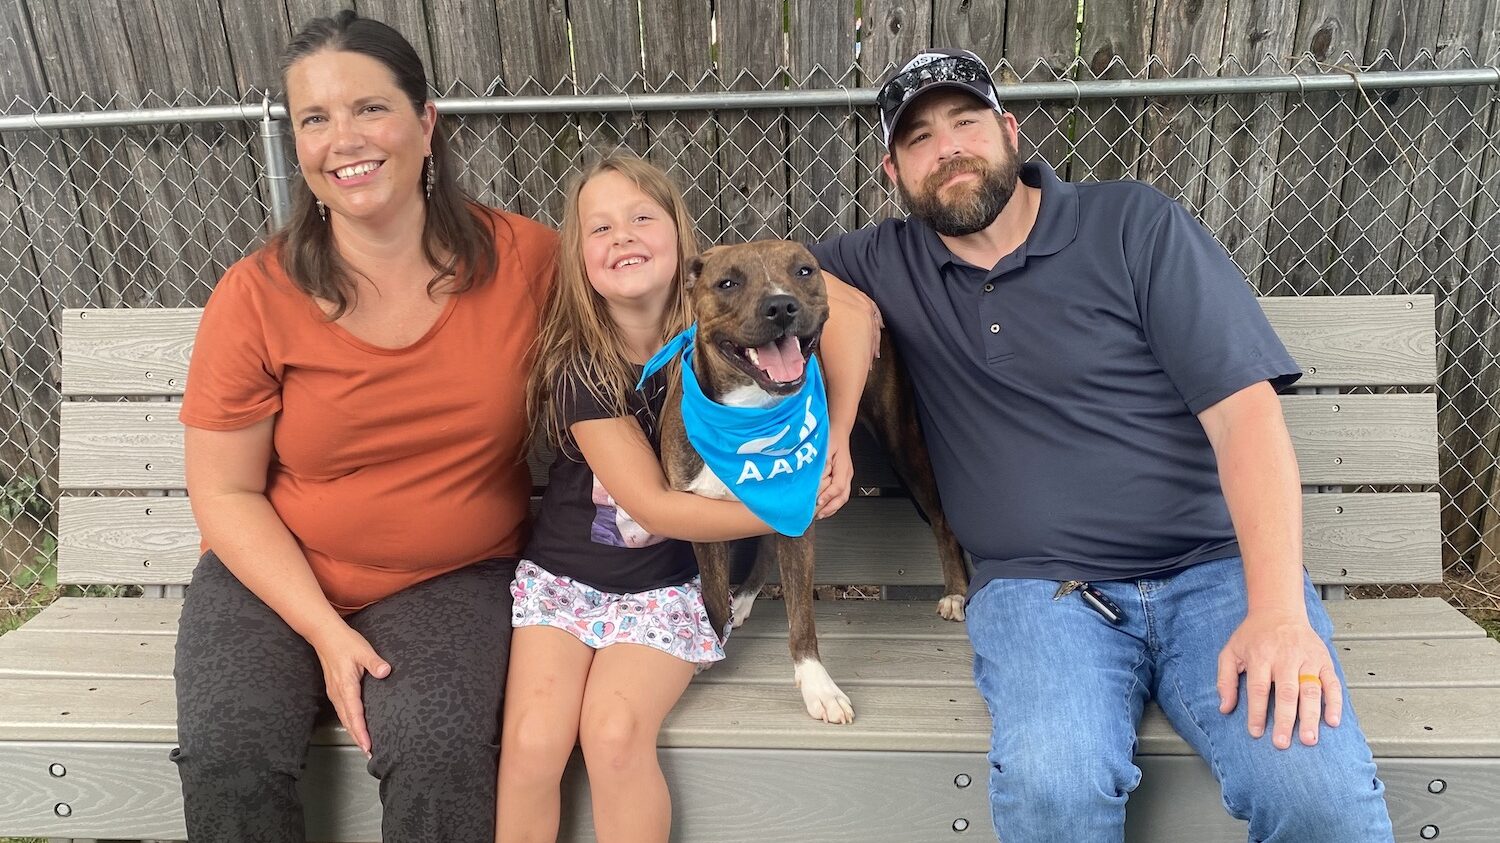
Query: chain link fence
1324,183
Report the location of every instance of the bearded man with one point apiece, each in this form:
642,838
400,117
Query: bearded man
1097,387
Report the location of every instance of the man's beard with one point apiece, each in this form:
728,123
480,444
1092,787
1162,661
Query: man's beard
972,207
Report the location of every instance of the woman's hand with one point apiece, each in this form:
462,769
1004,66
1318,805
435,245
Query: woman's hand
346,658
838,474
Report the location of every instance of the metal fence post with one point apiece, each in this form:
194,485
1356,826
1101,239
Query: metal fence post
274,168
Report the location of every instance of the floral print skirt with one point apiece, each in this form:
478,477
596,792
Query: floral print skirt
671,618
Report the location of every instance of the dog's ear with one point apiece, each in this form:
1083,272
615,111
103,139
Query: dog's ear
695,265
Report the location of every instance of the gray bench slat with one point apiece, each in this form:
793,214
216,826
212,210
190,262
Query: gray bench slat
1346,341
1339,340
854,662
1347,540
1399,722
132,789
1417,618
127,351
1340,440
1358,439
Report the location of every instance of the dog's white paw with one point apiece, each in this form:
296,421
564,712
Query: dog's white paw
740,606
951,607
821,695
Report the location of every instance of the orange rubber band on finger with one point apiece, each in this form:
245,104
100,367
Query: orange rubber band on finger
1304,678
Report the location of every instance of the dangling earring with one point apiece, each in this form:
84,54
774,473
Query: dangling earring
322,211
431,174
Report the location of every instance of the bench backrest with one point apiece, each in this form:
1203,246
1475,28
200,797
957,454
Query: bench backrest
124,517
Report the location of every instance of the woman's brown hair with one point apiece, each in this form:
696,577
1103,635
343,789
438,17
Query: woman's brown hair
578,340
458,236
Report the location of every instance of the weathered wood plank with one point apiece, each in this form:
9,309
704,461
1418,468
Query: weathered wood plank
534,60
1386,163
1399,722
1188,41
1413,618
1470,363
40,165
94,227
752,153
408,17
183,51
1041,39
300,12
254,44
683,143
1311,149
1241,174
1114,44
893,32
1347,540
823,169
607,58
1448,140
1338,340
981,27
466,56
28,360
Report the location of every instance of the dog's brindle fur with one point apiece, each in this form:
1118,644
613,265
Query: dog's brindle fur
732,290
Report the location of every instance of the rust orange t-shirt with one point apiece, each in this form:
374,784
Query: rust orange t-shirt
389,466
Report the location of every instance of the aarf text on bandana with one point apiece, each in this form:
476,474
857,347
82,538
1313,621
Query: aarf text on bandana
771,458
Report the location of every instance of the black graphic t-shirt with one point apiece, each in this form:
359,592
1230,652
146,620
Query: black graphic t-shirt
580,532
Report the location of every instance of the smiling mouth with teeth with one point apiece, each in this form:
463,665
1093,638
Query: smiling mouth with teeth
354,170
779,366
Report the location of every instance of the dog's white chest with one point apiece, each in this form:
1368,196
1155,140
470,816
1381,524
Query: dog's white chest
709,485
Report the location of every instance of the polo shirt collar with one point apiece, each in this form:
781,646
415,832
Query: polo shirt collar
1056,223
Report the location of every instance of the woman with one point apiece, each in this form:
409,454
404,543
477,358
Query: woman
355,416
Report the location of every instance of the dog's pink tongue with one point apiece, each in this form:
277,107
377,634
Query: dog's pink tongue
782,360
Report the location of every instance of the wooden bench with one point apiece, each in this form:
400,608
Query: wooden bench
86,695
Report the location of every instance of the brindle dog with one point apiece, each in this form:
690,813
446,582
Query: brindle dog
760,309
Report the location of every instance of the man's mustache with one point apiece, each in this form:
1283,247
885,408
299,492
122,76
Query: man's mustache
956,166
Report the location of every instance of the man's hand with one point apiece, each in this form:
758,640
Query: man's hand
1283,651
346,657
838,474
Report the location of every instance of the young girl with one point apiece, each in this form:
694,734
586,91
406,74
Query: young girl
609,620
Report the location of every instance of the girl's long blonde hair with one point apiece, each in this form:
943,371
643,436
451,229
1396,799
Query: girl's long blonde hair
578,340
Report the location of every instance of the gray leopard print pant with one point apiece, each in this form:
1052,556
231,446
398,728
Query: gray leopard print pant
249,689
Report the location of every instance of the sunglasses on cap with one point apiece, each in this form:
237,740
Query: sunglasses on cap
961,69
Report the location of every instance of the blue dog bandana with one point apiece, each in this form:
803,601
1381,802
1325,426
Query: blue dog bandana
771,458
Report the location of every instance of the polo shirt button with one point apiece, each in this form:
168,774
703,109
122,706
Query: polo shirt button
994,327
989,288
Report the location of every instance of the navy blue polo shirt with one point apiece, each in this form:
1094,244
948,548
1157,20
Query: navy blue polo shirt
1058,391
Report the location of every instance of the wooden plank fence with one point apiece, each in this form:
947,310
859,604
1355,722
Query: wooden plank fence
1311,192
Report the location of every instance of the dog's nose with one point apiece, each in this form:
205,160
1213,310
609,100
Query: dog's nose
779,309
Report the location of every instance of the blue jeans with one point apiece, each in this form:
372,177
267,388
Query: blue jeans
1066,689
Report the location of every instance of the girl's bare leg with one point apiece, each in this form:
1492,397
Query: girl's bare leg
544,690
630,689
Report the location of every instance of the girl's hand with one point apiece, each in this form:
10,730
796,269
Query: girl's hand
346,658
838,474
